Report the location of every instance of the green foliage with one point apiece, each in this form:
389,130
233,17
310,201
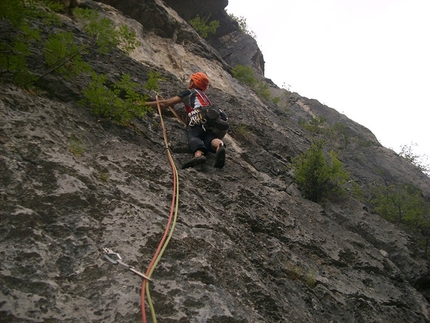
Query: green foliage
106,35
293,271
335,134
127,38
310,278
357,191
202,26
120,102
276,99
401,204
242,131
315,125
152,83
104,176
365,142
318,177
404,206
407,153
245,74
13,61
14,11
262,90
339,127
417,160
64,55
298,273
243,25
76,146
20,12
17,15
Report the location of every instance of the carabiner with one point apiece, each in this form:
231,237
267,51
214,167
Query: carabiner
108,252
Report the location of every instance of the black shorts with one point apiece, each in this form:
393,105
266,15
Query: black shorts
200,139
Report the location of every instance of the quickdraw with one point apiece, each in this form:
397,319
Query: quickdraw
108,255
195,117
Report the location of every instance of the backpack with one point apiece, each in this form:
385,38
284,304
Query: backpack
210,116
215,119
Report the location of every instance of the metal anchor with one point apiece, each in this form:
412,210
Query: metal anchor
108,255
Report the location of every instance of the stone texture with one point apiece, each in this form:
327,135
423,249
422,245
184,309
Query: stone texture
247,247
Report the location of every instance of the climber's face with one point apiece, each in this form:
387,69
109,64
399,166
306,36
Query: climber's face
190,84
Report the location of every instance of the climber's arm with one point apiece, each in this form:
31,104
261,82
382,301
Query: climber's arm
165,103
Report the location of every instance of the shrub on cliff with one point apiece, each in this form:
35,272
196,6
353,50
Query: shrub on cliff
245,74
404,206
63,54
203,27
317,176
18,33
120,102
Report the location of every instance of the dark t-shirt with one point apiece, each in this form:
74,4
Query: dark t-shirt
194,99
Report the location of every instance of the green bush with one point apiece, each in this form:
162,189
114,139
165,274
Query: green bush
318,177
107,36
202,26
152,83
64,56
242,131
245,74
76,146
61,53
404,206
262,90
120,102
243,25
316,125
399,204
417,160
17,16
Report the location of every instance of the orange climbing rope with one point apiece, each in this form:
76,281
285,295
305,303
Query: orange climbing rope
168,232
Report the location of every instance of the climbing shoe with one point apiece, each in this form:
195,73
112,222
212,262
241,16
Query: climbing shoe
194,162
220,157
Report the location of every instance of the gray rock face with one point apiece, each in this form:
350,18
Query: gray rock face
237,48
246,246
234,46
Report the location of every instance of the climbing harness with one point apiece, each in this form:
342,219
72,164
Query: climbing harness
108,255
195,117
168,232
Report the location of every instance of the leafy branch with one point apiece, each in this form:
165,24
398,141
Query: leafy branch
120,102
203,26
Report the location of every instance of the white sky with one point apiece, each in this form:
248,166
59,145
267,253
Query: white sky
368,59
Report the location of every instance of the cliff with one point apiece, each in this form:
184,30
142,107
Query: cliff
247,247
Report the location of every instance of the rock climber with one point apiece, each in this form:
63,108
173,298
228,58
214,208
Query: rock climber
201,140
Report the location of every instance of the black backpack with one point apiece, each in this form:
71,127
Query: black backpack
211,116
215,119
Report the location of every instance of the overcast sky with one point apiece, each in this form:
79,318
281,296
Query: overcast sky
368,59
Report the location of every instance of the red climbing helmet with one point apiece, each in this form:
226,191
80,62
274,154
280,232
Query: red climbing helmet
201,80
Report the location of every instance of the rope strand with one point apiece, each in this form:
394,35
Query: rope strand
170,225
